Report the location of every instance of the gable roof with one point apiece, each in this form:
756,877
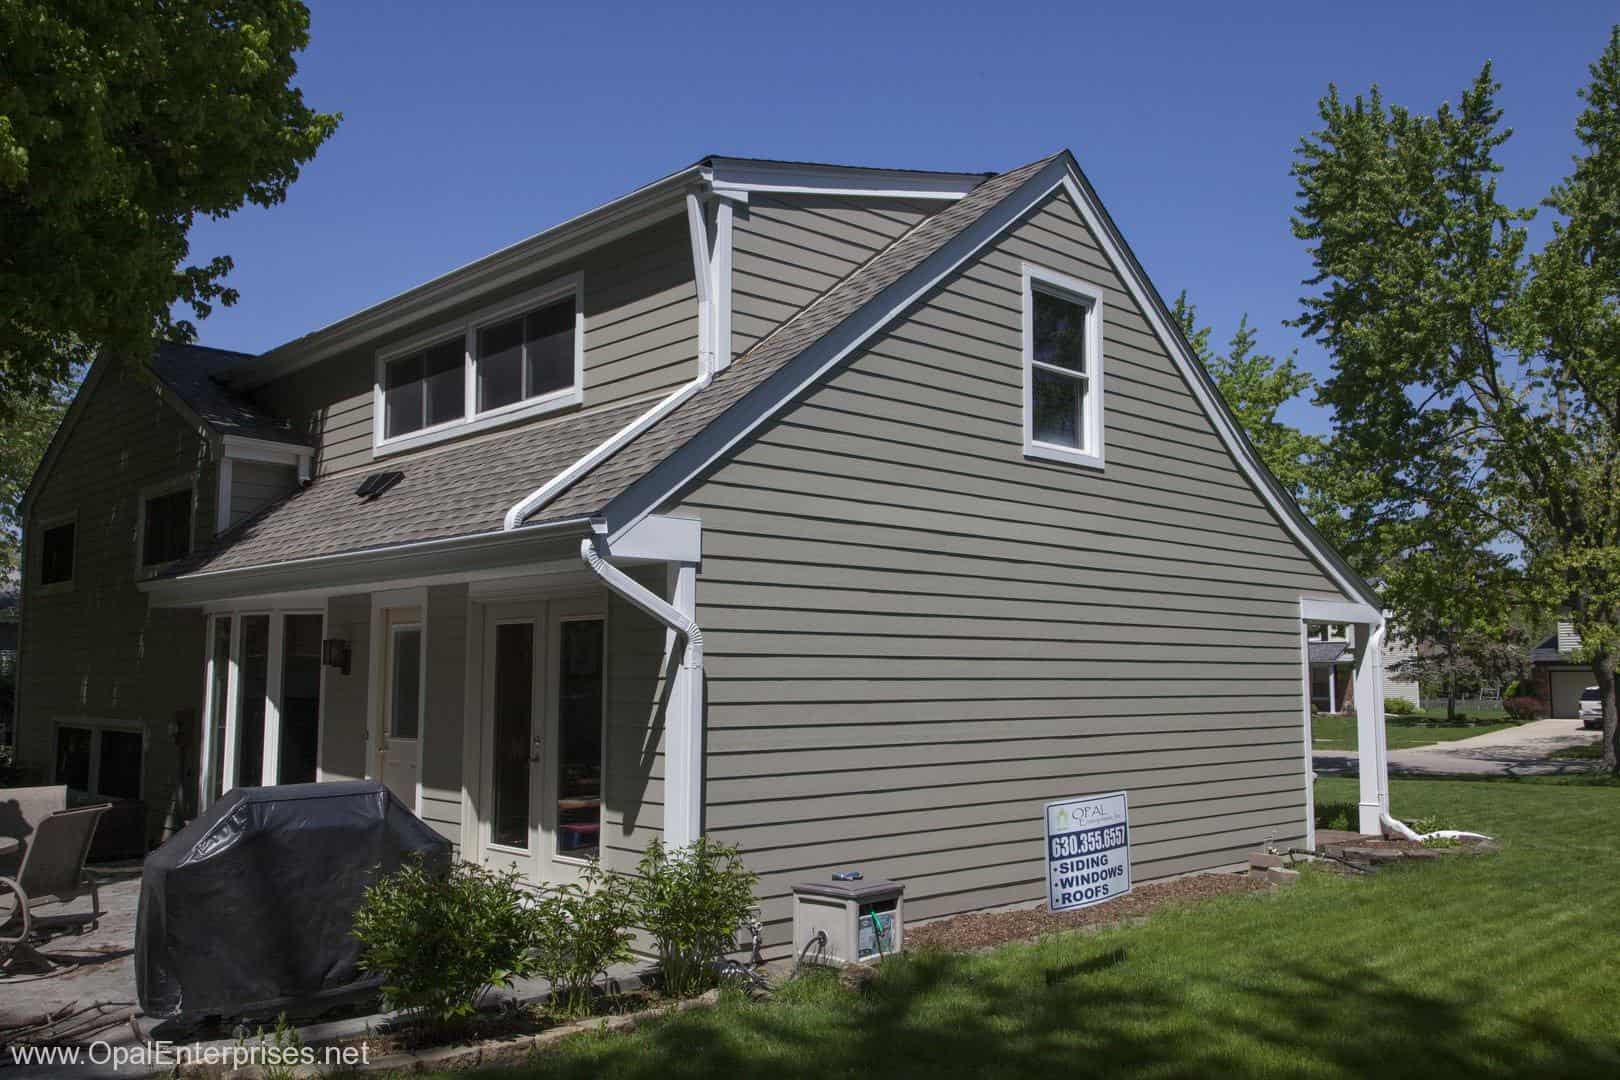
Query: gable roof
644,472
195,373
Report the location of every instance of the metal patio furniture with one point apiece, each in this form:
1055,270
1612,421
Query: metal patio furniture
52,872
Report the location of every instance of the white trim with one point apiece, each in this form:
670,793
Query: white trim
1310,761
1086,295
796,178
473,419
720,262
379,685
34,564
182,482
266,450
1321,610
661,538
95,726
222,496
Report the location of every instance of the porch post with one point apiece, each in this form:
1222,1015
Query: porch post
683,723
1369,703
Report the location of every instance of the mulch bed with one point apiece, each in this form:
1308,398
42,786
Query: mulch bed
962,933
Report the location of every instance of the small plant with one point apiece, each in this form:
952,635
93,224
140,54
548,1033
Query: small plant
441,941
1429,824
1524,708
278,1053
693,901
1338,816
578,931
1399,706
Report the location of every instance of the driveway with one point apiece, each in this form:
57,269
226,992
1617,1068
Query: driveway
1518,751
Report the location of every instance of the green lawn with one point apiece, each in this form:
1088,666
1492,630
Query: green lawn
1501,965
1400,732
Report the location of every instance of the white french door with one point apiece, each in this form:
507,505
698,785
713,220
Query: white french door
404,686
544,734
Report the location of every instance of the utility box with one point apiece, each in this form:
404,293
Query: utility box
862,921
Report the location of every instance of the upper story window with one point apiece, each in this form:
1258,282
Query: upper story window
521,357
1063,389
56,552
165,526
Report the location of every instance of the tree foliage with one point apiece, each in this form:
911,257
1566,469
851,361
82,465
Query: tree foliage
1475,386
119,125
27,433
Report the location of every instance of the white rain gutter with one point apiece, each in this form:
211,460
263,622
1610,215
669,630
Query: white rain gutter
704,271
683,725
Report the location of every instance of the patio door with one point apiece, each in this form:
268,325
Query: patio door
544,692
399,749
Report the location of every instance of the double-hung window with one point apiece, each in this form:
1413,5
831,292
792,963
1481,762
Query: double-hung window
520,357
165,523
1063,388
57,548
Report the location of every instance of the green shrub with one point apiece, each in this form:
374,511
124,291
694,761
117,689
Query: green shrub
442,941
1344,817
1399,706
1524,708
578,931
692,901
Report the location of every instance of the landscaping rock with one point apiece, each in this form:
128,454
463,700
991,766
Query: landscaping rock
1277,875
1265,860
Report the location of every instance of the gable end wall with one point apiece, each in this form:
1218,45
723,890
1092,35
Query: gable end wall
915,637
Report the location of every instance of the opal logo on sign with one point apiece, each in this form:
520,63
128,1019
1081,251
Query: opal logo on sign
1088,850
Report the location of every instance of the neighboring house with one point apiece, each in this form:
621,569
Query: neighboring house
846,515
1333,663
1557,676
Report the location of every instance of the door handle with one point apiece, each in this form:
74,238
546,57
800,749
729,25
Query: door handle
534,750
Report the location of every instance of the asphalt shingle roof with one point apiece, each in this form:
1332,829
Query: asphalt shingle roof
1329,652
191,371
466,488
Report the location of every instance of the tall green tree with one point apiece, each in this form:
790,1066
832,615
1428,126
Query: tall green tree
1472,384
27,434
120,123
1256,386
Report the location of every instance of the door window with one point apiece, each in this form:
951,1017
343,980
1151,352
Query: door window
513,710
579,738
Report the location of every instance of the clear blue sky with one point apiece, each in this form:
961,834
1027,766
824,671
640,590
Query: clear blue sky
469,126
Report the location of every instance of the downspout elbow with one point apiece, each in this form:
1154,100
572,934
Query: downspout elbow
641,597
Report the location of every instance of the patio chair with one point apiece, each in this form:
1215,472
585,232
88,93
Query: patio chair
21,811
52,872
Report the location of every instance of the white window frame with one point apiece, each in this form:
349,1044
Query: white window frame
96,727
36,558
1089,296
467,328
390,708
186,482
270,762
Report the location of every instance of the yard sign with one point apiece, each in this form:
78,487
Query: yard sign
1088,851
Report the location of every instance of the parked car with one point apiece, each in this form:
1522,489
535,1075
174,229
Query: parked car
1591,708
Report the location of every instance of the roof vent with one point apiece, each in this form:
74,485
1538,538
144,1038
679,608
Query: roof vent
374,485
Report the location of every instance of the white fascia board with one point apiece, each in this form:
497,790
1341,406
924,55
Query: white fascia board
244,448
622,216
660,538
723,433
1315,609
733,176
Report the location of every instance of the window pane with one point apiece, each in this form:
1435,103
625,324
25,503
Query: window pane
56,555
549,348
405,719
300,698
120,774
446,382
1056,400
500,364
514,707
255,680
579,737
73,757
219,675
1060,332
167,533
402,395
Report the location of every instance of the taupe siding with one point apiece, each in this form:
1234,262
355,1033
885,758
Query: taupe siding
257,484
634,810
97,651
640,340
915,637
789,249
343,701
446,690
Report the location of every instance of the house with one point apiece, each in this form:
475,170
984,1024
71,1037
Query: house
1557,676
847,515
1333,661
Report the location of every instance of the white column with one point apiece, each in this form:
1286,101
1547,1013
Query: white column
271,766
1373,763
683,723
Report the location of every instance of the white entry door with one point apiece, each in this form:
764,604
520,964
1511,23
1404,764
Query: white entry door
399,748
544,689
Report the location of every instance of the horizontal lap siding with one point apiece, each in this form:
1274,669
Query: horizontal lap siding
634,813
257,484
98,651
788,249
344,696
640,341
442,720
915,637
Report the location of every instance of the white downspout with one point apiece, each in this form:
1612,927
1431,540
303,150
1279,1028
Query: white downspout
704,271
683,726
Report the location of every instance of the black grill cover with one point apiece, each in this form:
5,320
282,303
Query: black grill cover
250,906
